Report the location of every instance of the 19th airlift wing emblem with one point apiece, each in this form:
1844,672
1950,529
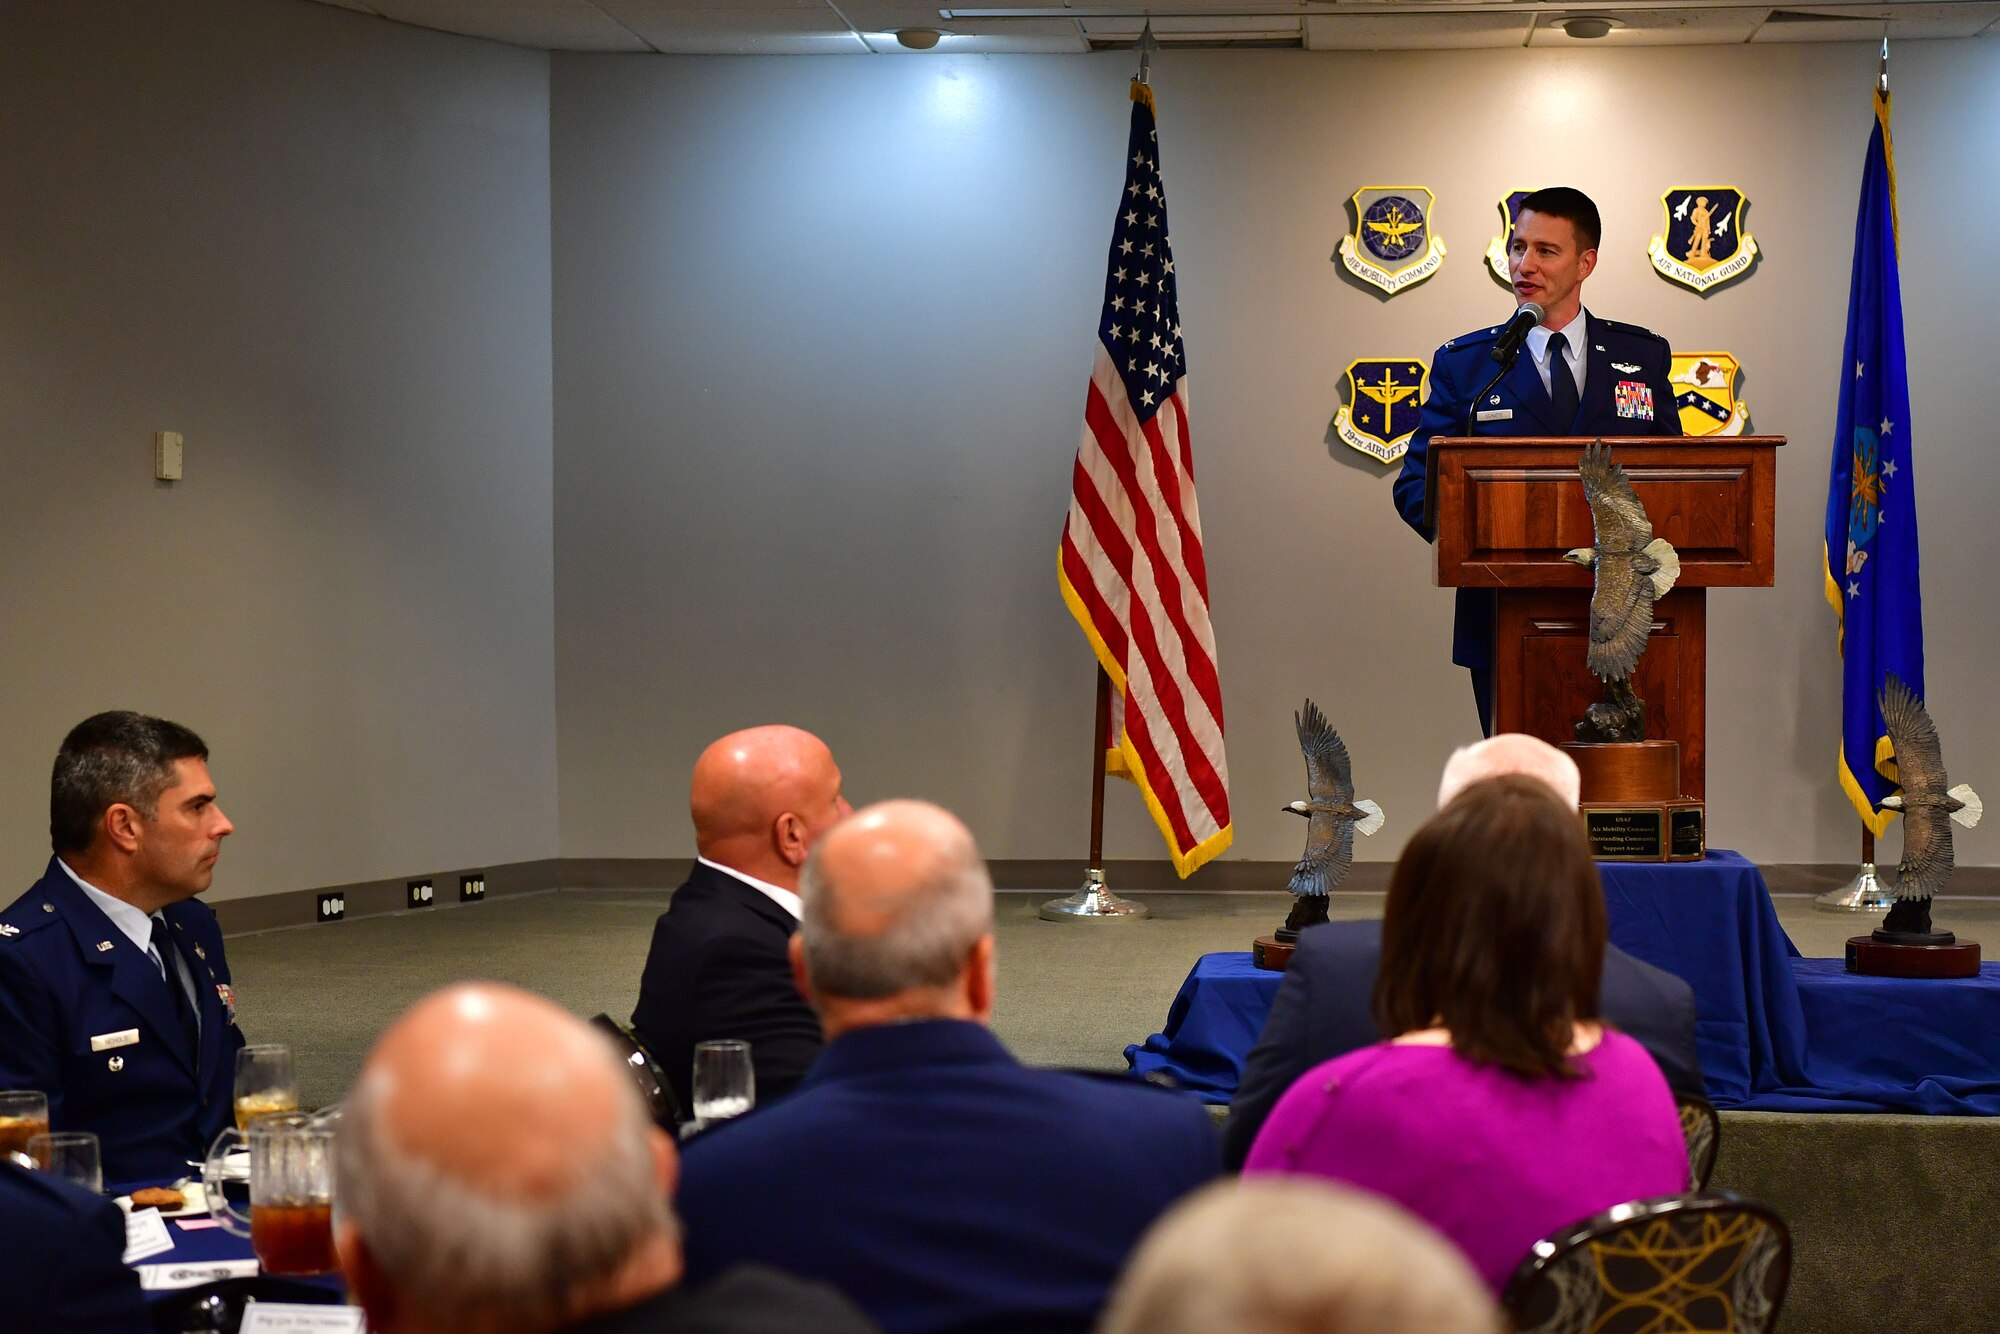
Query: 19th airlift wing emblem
1703,243
1705,393
1392,245
1385,400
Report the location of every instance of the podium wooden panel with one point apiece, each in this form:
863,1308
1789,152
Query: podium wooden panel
1507,508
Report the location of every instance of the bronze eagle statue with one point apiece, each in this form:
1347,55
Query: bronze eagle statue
1331,813
1632,569
1927,806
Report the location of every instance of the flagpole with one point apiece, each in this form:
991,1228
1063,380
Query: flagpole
1866,892
1094,902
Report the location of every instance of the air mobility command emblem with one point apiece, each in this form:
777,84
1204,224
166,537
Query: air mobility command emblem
1496,249
1392,245
1705,393
1385,401
1704,242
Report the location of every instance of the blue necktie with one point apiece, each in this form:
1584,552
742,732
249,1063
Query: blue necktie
163,945
1562,385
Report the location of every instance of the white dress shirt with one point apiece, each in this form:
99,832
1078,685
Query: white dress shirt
784,898
138,928
1575,333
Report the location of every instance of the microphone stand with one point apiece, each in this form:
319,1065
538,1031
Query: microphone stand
1471,415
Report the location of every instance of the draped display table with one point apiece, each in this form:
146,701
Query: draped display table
1775,1032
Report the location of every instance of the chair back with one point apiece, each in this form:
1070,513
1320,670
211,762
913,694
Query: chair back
645,1072
1714,1262
1702,1129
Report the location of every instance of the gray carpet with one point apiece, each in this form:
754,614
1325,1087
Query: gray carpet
1889,1213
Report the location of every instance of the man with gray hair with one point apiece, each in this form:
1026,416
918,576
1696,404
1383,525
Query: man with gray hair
1322,1007
497,1173
919,1167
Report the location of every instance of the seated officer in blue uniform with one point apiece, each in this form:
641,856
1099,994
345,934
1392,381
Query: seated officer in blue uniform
1577,374
62,1259
114,995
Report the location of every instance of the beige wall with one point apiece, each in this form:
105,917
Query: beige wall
822,329
317,244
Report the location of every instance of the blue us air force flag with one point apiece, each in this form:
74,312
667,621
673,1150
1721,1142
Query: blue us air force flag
1703,243
1392,244
1871,510
1385,402
1496,249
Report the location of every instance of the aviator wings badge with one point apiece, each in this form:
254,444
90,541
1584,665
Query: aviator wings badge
1496,249
1385,401
1705,393
1392,245
1704,243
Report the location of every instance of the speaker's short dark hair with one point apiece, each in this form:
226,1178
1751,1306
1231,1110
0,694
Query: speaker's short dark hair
1563,201
110,758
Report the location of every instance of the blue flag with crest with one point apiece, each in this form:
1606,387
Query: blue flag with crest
1871,510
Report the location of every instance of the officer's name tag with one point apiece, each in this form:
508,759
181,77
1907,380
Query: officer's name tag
1495,415
106,1041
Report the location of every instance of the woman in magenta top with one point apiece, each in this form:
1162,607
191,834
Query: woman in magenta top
1501,1110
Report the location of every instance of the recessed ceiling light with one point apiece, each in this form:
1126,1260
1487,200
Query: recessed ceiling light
918,39
1589,27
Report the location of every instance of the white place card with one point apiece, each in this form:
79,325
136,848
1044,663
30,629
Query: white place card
160,1278
293,1318
145,1234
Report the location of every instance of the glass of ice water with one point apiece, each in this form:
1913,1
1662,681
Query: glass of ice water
725,1085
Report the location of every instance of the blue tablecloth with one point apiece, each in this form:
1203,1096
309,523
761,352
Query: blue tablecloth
1775,1032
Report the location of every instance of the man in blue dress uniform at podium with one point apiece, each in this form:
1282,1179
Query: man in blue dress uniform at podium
1576,374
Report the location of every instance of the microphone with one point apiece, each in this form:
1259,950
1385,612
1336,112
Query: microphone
1508,346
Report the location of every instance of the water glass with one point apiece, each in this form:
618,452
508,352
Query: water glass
725,1084
72,1155
266,1082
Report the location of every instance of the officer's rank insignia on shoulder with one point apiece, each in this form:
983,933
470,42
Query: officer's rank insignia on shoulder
1496,249
1385,401
1703,243
1705,393
1392,245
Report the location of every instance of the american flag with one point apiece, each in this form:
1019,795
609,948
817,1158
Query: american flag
1131,566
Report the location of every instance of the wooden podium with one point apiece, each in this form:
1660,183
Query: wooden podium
1507,508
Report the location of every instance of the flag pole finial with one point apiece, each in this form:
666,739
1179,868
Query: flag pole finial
1148,45
1882,72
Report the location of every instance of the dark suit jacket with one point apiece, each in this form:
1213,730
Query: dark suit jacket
1462,366
1322,1012
86,1017
60,1260
719,968
748,1299
944,1186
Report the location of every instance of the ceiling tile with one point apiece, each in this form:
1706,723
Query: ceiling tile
557,25
1844,24
1656,27
1414,32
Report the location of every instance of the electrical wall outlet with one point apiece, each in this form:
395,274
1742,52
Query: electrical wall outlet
472,888
421,893
332,907
167,455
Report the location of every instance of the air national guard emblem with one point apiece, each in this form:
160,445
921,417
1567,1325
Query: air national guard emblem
1705,393
1705,243
1392,245
1385,401
1496,249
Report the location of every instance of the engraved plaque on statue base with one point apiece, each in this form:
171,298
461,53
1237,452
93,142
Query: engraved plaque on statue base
1633,807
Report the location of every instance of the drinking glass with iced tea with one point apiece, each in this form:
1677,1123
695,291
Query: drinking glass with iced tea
266,1082
24,1114
290,1220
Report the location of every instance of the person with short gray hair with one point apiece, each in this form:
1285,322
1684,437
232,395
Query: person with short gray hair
1292,1255
497,1173
919,1167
